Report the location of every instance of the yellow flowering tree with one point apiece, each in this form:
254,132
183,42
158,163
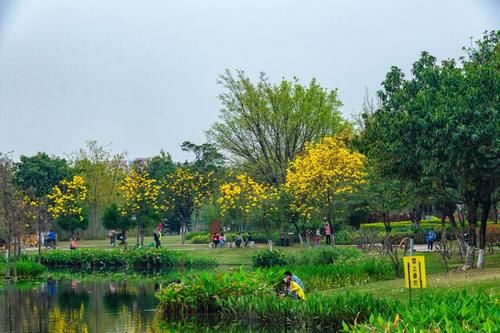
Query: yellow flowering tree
66,204
322,172
248,199
140,195
183,192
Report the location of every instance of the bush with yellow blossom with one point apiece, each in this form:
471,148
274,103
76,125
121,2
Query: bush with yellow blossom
184,191
139,198
247,199
321,173
66,204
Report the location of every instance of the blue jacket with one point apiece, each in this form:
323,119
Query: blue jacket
298,281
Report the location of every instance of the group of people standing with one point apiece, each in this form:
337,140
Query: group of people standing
316,236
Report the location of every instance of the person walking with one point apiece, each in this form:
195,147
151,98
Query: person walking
328,233
112,237
430,238
157,237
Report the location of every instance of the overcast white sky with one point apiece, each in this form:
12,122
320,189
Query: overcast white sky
141,75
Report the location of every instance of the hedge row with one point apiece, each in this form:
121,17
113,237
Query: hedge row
117,258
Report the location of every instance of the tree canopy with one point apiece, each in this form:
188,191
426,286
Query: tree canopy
439,128
38,174
264,126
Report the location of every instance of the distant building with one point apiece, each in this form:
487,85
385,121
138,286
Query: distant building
141,163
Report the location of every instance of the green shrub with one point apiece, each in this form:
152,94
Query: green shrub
322,255
25,269
85,258
269,258
137,258
350,272
205,292
318,313
201,239
344,237
352,312
191,235
404,225
437,312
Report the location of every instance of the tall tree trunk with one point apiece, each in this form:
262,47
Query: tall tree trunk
9,252
416,215
94,225
183,232
301,240
39,231
14,257
482,233
137,218
495,213
472,207
197,220
459,233
141,235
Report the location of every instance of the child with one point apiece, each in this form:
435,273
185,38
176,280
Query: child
72,244
318,237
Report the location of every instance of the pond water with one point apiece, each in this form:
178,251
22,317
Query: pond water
72,306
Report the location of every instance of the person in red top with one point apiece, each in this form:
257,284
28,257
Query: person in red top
216,239
72,244
328,233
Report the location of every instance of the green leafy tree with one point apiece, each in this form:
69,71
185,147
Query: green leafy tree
264,126
207,157
113,219
161,166
11,213
102,173
38,174
440,128
35,176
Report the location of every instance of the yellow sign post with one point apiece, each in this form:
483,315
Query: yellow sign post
414,267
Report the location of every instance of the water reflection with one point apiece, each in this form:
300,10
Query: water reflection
71,306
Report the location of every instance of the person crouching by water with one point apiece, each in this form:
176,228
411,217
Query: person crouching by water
292,289
289,276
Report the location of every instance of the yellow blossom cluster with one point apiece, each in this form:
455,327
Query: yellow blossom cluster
324,170
185,186
67,198
245,194
30,207
139,192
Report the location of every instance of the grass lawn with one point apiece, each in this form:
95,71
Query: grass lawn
486,280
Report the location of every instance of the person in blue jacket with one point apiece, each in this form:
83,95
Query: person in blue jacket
430,238
295,279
